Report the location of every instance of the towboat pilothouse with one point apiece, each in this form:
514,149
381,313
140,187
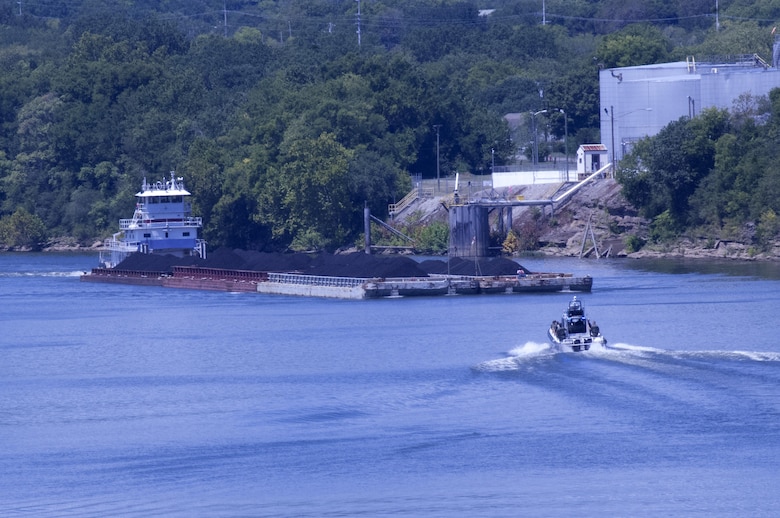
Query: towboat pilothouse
574,331
161,224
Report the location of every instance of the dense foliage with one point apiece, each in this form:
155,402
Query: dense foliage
715,175
285,118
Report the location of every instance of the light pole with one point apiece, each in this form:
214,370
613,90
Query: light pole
612,129
612,119
566,140
438,182
536,143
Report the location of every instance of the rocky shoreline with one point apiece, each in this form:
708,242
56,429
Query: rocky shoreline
611,219
682,249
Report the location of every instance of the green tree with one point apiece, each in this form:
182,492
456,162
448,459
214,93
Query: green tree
308,197
634,45
22,230
737,37
665,170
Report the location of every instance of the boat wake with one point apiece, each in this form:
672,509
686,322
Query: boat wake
534,353
42,274
736,355
530,352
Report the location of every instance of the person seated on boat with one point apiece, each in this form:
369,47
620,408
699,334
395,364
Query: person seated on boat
520,273
575,308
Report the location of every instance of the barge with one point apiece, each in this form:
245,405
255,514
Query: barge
159,246
275,283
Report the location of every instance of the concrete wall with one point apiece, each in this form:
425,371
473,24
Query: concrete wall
508,179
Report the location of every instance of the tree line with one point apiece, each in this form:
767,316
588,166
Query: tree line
284,121
713,176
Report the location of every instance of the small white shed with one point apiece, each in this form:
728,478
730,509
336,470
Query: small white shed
591,158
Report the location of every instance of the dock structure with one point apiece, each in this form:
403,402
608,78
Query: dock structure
216,279
468,219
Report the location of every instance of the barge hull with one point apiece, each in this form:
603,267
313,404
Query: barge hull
214,279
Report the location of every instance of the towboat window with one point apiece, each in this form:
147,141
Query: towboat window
146,234
176,199
186,234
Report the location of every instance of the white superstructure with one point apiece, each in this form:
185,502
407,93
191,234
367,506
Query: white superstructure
161,224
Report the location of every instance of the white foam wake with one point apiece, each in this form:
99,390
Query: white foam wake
526,352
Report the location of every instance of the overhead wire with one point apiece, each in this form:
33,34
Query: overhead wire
381,21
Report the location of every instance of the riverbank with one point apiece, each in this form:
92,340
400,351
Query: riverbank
596,221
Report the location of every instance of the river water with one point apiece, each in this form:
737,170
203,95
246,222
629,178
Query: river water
132,401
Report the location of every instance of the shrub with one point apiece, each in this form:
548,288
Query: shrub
767,228
663,228
433,239
511,244
22,230
633,243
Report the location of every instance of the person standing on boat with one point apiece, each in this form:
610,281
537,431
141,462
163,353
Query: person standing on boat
594,328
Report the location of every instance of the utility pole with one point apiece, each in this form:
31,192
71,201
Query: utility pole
535,150
438,181
358,22
717,19
612,128
566,140
224,13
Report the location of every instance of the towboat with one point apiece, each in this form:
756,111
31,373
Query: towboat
574,332
161,224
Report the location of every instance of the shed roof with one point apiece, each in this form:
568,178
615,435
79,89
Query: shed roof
593,147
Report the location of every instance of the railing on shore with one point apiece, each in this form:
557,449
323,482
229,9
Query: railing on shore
414,195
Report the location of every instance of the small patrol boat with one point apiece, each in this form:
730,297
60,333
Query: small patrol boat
574,332
161,224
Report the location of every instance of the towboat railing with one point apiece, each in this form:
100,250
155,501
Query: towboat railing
127,223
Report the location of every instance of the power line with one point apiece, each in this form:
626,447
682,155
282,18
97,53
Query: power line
379,21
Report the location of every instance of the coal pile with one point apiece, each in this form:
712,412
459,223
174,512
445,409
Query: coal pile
356,264
496,266
365,266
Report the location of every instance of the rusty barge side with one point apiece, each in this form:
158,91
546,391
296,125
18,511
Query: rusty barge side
217,279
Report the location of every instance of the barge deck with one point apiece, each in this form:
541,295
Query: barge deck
217,279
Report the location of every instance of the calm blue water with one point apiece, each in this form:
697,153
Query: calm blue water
132,401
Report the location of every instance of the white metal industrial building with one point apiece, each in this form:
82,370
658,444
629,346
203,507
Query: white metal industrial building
639,101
